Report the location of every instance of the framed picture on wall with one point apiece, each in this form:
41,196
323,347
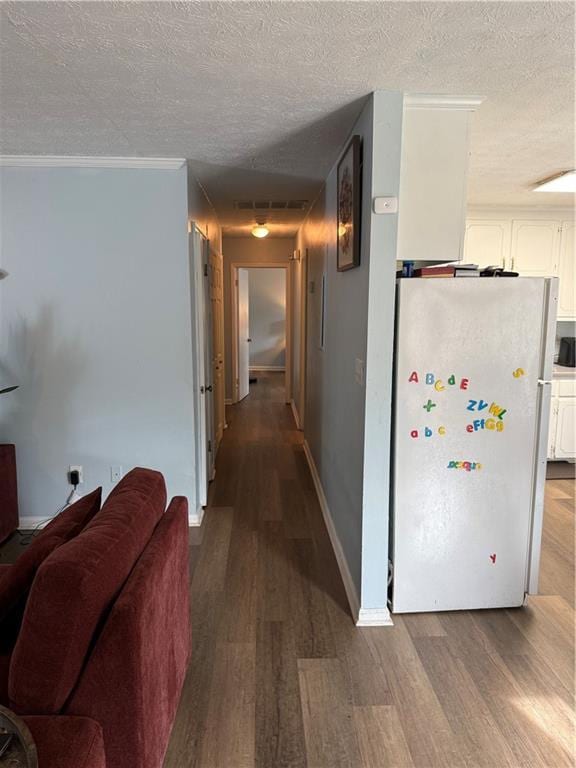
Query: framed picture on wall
348,206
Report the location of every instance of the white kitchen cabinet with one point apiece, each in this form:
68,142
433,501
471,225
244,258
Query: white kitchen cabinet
552,427
535,248
567,273
433,180
487,243
565,442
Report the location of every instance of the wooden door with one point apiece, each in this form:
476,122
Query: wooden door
535,248
217,362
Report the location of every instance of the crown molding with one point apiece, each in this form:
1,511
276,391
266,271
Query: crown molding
60,161
441,101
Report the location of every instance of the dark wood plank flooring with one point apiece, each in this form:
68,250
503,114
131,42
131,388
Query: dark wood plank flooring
280,677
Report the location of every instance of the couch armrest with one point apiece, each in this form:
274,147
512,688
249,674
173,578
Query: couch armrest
142,651
67,742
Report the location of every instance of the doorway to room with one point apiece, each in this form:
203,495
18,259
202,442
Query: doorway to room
260,326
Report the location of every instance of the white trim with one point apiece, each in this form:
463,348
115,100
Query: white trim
195,519
349,586
228,401
266,367
27,523
59,161
374,617
295,414
442,101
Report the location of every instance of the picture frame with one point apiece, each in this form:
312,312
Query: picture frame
349,179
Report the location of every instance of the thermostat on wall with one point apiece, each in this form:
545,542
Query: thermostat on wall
385,205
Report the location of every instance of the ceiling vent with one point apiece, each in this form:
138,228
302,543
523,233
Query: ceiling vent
271,205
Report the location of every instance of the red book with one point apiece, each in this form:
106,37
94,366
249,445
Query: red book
434,272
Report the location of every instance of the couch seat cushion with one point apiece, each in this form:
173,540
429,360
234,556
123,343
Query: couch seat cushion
67,742
17,580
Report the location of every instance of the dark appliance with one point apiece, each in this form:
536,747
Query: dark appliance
567,353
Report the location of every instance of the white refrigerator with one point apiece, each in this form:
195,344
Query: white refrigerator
473,367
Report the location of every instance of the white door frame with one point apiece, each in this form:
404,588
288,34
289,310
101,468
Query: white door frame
234,266
198,246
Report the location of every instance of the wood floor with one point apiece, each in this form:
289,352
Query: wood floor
280,677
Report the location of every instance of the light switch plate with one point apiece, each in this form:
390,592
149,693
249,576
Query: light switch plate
385,205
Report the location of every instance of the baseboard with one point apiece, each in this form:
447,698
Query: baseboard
295,414
374,617
255,368
228,401
349,586
195,518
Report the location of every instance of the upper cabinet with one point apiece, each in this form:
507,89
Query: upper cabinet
487,242
535,249
567,272
542,247
433,178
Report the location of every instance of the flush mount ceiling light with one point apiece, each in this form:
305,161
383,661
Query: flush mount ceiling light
260,230
562,182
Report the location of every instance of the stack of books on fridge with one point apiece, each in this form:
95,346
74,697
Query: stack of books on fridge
448,270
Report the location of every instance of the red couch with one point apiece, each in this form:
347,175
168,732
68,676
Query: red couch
8,492
101,654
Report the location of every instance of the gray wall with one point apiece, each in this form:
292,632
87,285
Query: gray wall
96,328
347,424
267,291
247,249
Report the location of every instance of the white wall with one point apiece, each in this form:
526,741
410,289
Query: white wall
247,250
347,424
267,312
96,328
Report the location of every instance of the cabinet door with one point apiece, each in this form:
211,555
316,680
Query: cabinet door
565,445
552,427
567,273
487,243
535,248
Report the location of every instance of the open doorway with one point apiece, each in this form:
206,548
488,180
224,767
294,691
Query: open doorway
261,325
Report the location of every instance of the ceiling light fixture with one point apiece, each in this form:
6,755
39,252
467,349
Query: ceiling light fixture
562,182
260,230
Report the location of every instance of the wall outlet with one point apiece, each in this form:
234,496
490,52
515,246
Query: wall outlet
359,372
77,468
116,473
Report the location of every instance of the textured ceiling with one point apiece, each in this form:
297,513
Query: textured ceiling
260,95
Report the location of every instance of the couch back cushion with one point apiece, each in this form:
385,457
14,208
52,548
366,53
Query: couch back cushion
73,591
17,580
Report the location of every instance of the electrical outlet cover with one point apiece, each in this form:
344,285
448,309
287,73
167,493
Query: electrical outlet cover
116,473
77,468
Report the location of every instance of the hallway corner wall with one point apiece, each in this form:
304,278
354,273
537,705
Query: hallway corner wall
347,423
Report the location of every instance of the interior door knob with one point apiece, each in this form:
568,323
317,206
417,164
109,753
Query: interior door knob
209,388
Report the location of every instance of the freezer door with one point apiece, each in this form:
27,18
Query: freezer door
466,419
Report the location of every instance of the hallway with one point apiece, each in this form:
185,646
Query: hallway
279,675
